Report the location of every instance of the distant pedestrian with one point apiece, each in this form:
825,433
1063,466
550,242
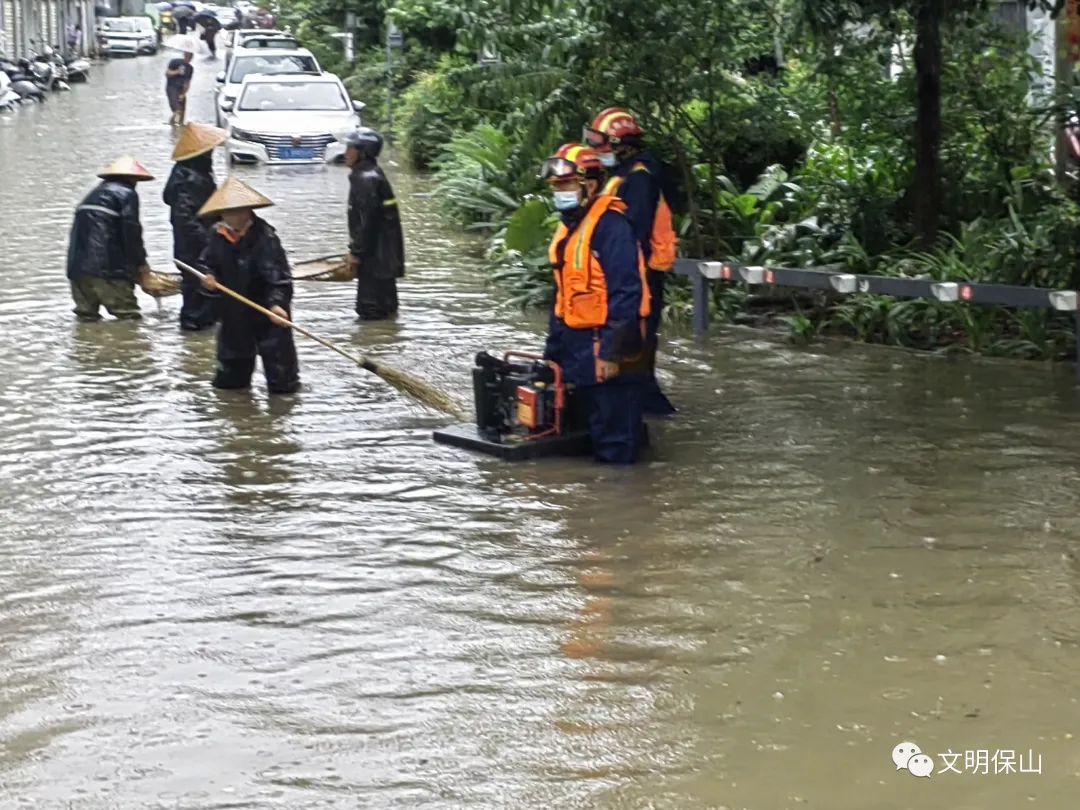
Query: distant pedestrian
177,82
183,16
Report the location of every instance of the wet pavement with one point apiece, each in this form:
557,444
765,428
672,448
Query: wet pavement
214,600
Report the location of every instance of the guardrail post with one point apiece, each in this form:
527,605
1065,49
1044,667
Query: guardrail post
1076,320
701,304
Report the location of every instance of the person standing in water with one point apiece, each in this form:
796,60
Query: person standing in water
245,254
177,81
106,255
376,244
190,185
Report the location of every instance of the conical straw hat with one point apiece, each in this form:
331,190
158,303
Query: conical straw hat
196,139
127,166
232,196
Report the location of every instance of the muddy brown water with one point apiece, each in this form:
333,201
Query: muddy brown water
214,600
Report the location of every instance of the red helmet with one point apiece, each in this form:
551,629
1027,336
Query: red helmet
572,161
611,127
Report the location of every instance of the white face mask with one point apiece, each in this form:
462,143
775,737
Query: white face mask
608,159
567,200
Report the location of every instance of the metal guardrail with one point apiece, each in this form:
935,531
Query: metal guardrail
702,273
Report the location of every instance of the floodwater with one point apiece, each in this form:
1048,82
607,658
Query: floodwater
216,600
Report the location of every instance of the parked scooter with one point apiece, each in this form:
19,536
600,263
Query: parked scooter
9,99
59,67
21,84
78,69
47,73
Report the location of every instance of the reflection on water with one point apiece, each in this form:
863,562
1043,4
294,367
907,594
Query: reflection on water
220,599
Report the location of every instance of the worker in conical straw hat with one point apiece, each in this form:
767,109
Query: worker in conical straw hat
190,186
244,252
106,255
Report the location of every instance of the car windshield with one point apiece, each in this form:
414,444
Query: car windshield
271,63
120,26
269,96
271,42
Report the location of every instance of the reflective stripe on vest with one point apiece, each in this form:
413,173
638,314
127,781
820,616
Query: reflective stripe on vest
101,209
663,241
581,294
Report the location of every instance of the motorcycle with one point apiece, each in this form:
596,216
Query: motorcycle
22,84
49,73
78,69
9,99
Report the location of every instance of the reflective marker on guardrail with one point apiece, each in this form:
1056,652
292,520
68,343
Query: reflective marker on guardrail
946,291
752,275
844,282
1064,300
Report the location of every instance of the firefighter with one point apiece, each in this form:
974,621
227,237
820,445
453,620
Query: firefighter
376,243
597,325
637,180
106,255
190,185
244,252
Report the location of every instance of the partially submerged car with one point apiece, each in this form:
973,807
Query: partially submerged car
127,36
291,119
270,61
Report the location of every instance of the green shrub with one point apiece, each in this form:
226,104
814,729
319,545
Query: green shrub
432,110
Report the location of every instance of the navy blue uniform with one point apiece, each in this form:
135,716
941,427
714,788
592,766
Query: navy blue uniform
640,190
614,407
255,267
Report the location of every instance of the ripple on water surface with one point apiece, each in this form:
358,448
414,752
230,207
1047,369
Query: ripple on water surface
215,599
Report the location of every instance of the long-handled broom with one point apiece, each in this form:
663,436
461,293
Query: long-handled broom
405,383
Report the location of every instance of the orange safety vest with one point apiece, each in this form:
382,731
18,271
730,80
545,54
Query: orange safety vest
581,295
664,241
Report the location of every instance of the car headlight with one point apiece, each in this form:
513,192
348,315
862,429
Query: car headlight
242,135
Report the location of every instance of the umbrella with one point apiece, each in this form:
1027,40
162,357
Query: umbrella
181,11
163,6
181,43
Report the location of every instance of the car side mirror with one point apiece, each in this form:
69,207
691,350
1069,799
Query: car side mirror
358,105
221,77
227,105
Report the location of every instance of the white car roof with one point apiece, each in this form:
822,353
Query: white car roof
287,78
240,50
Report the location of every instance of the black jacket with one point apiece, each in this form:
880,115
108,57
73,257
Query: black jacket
375,236
255,267
186,192
106,237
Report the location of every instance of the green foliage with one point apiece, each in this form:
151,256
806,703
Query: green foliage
432,110
792,125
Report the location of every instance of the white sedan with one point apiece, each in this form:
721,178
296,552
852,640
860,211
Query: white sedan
291,119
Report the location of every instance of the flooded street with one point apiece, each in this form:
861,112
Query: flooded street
215,600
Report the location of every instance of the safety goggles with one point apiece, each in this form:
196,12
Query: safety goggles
555,168
597,140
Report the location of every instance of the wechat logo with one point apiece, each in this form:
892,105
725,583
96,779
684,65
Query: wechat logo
907,756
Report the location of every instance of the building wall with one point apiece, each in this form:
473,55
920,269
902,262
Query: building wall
27,25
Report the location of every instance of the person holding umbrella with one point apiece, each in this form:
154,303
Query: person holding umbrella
178,78
183,13
211,25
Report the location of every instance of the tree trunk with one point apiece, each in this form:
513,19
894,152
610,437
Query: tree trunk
926,198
